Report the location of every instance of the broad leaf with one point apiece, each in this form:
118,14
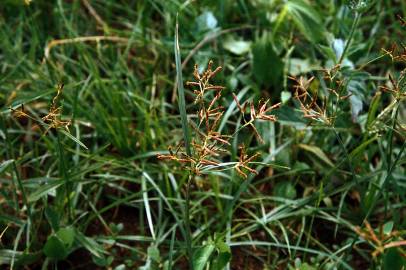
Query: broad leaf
318,152
67,236
5,164
237,47
307,19
285,190
55,249
202,256
223,257
393,260
206,21
267,65
52,217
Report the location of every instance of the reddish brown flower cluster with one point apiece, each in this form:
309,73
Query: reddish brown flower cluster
260,113
53,117
208,144
243,162
308,103
395,90
203,81
381,241
402,21
396,53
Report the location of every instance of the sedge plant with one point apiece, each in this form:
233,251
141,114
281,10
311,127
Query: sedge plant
209,147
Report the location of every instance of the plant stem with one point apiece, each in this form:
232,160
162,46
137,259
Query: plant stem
189,245
347,156
65,176
347,44
25,201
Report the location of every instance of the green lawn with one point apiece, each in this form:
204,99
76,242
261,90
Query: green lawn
117,152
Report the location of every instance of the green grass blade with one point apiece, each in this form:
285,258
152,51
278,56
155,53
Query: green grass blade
4,165
181,91
147,207
67,134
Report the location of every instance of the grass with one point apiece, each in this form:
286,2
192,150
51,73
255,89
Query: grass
80,182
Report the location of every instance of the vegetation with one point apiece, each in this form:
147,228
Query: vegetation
213,134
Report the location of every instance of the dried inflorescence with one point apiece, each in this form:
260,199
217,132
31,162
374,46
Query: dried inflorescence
382,241
52,119
395,89
396,53
260,113
396,86
244,161
19,113
402,21
203,82
208,144
321,110
308,103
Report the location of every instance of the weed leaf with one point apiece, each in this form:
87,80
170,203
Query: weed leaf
202,256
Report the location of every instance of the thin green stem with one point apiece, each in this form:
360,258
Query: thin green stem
25,201
347,156
391,168
390,140
64,173
347,44
251,122
189,244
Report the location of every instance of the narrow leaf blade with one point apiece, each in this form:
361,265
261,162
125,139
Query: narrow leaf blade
181,91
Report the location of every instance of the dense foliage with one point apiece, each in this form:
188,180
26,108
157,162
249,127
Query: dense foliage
290,156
